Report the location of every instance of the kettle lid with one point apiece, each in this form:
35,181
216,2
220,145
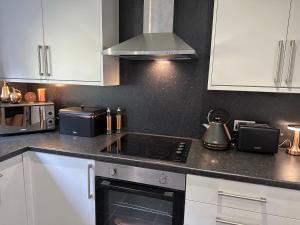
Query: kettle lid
218,116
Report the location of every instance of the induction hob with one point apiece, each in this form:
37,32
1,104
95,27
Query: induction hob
151,146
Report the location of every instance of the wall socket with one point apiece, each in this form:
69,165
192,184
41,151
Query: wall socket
237,122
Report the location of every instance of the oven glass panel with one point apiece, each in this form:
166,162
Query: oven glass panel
122,208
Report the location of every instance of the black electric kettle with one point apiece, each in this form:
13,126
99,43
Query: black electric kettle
217,136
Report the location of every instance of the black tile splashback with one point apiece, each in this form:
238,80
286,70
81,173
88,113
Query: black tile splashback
171,97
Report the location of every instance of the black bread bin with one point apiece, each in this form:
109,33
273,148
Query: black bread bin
82,121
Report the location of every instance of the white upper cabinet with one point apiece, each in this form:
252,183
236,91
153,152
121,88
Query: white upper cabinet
72,36
72,31
248,45
21,33
74,39
12,193
292,71
60,189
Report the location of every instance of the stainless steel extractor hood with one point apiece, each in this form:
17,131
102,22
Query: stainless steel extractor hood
158,40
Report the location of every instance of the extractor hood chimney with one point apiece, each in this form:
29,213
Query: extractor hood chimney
158,40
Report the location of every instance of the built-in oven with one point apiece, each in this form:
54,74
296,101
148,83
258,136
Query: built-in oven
127,195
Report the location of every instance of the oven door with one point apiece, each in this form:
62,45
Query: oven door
124,203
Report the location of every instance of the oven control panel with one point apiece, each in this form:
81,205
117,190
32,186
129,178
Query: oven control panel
141,175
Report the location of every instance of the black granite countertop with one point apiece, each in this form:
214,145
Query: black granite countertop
279,170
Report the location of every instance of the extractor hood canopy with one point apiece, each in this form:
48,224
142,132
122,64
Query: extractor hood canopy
158,41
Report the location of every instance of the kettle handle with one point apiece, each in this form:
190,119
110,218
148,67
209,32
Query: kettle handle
227,132
221,110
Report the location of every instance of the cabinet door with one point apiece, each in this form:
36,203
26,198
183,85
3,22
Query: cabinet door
21,33
245,43
197,213
12,193
60,189
264,199
292,72
72,32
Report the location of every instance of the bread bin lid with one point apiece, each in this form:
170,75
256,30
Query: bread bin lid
83,111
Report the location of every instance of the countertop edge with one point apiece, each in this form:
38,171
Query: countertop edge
155,165
14,153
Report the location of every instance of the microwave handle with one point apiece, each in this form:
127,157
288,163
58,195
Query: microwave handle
166,195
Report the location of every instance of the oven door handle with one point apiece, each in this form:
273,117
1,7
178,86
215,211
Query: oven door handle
145,191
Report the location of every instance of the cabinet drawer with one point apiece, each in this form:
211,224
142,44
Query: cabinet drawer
257,198
197,213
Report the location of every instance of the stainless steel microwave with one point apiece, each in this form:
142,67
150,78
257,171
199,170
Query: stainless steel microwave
26,117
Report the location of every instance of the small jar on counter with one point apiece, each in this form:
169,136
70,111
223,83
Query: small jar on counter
42,94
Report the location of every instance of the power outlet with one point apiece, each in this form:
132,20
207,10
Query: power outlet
237,122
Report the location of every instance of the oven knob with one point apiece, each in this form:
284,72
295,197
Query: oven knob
163,179
112,172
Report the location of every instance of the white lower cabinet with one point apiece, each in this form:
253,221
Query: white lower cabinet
60,189
197,213
214,201
251,197
12,194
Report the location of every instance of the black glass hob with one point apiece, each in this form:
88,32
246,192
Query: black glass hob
151,146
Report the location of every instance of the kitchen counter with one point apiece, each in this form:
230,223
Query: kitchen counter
279,170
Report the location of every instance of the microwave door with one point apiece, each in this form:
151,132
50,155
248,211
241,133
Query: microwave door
26,117
12,120
20,119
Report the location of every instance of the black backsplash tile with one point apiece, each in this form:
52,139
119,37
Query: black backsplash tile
171,97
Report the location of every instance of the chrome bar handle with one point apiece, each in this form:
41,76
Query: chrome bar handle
40,47
90,195
47,61
255,199
288,80
220,220
277,79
